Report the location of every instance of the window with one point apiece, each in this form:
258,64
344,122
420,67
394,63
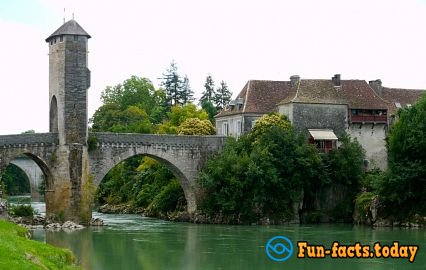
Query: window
75,37
54,40
225,129
61,38
253,123
322,144
238,127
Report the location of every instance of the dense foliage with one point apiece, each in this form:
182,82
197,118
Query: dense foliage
15,181
403,187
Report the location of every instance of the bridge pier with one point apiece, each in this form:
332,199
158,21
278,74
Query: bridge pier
70,197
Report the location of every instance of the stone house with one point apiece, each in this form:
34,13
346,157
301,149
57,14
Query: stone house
323,109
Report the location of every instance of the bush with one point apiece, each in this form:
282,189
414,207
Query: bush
22,210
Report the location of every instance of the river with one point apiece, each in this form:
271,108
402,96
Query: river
135,242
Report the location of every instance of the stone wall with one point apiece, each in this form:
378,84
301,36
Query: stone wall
30,139
320,116
372,137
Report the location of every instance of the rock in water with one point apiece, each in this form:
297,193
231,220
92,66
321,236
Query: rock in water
96,222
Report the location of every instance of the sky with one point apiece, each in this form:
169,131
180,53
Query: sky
232,40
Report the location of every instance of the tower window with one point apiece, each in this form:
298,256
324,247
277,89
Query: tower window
51,42
75,37
61,38
54,40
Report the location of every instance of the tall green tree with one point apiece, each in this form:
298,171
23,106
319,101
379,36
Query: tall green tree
404,188
222,96
187,95
209,92
173,84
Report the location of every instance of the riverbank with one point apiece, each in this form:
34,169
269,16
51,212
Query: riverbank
19,252
197,217
372,218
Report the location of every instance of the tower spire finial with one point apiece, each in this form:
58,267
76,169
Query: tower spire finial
64,15
73,15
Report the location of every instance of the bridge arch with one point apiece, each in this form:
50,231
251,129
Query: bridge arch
183,176
33,172
41,163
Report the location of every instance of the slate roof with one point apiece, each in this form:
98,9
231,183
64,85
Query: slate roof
260,97
357,94
401,96
71,27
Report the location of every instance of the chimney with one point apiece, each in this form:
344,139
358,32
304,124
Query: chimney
377,86
336,80
294,79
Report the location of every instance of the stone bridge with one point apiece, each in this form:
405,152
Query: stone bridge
72,171
182,155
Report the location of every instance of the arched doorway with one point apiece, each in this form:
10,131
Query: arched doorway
53,115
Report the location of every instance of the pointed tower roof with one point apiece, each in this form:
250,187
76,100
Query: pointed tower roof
71,27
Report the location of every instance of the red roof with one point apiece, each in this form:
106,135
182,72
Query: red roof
259,97
402,96
357,94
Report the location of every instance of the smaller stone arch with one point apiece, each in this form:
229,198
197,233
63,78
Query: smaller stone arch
7,159
53,115
33,172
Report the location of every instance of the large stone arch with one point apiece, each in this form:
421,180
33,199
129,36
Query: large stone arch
113,156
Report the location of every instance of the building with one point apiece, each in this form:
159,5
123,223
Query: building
323,109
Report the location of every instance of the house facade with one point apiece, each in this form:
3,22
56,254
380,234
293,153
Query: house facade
322,109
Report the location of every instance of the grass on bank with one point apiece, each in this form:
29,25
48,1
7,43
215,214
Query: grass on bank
18,252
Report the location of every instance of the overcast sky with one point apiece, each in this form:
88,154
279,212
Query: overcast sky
234,41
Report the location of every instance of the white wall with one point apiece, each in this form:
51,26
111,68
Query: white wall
372,138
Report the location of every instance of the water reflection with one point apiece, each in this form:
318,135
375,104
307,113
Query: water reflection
134,242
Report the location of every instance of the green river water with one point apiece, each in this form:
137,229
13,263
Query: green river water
135,242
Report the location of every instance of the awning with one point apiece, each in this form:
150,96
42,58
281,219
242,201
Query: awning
322,134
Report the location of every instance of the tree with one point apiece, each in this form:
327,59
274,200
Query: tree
177,115
15,181
259,176
187,95
172,83
404,188
222,96
210,109
133,106
209,92
268,121
195,126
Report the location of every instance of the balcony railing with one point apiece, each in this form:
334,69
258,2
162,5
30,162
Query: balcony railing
369,119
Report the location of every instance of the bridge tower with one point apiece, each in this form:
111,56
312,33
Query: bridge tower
69,80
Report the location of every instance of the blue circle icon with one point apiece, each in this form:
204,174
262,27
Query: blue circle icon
279,248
